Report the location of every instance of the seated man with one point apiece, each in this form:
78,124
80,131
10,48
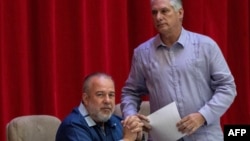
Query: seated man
93,119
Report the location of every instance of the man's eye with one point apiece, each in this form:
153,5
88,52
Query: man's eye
100,95
112,95
154,12
164,11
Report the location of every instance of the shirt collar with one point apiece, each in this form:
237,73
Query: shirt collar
88,119
181,40
183,37
86,116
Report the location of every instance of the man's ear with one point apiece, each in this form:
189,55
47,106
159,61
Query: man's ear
85,98
181,13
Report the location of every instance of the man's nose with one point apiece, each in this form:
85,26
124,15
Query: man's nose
158,16
107,98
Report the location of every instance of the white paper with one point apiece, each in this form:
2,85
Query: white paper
163,122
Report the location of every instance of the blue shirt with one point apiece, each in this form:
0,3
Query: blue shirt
193,73
78,126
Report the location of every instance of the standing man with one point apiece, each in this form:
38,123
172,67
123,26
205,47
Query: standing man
181,66
93,119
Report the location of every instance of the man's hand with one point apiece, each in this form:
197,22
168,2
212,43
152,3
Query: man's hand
144,119
132,128
190,123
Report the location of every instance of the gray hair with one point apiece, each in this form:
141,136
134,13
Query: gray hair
88,78
177,4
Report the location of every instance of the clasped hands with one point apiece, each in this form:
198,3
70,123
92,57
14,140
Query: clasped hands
133,127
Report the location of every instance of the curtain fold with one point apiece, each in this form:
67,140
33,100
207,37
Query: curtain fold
48,46
238,48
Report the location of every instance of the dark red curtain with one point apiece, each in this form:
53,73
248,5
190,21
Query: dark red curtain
48,46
